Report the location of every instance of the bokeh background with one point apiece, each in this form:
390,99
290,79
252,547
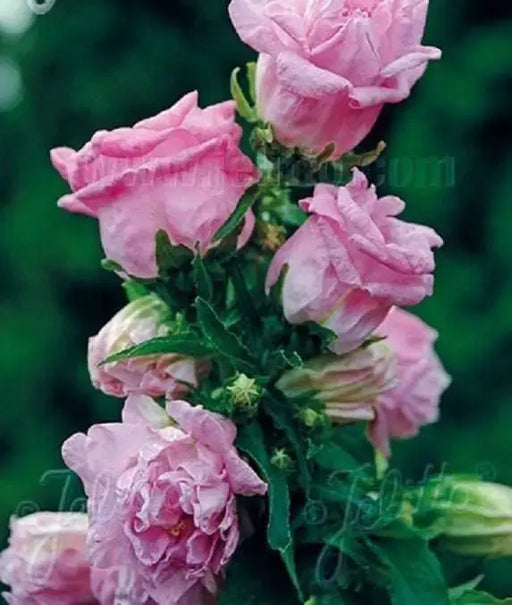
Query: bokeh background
101,64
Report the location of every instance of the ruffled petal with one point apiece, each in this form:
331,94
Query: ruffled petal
215,431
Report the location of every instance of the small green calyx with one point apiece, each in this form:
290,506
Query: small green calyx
245,393
282,460
311,418
270,237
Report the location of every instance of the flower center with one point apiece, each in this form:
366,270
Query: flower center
176,530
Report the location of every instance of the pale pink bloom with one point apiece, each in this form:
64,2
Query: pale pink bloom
327,67
348,385
181,172
352,260
421,380
46,561
156,375
162,501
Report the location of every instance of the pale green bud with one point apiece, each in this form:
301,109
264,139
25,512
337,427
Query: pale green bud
473,517
347,385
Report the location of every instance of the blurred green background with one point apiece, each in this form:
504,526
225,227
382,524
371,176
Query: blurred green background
101,64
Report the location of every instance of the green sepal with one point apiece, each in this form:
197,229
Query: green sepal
326,335
168,256
235,220
242,104
251,78
111,265
134,290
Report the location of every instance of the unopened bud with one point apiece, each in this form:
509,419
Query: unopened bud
347,385
282,460
311,417
156,375
245,393
473,517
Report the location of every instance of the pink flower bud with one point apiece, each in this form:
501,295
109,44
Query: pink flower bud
473,517
348,385
155,375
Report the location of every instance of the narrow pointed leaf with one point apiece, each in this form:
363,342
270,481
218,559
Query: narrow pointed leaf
169,257
221,339
251,440
235,220
184,344
202,279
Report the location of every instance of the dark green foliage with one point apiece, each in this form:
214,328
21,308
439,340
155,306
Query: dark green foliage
411,573
96,64
251,441
221,339
168,257
255,578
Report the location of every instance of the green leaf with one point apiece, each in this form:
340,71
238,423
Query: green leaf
243,296
292,358
242,105
326,335
202,279
282,415
251,440
222,340
184,344
475,597
281,360
413,573
457,591
235,220
169,257
334,457
352,438
253,578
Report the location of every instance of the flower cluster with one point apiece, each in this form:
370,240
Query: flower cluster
278,317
